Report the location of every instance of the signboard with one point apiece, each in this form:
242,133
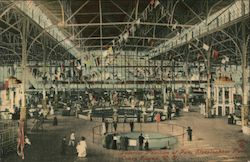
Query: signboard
132,142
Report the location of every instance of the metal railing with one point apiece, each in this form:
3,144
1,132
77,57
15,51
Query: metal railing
221,19
8,136
168,129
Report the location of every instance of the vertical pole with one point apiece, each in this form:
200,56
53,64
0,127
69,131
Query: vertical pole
208,99
101,43
24,34
93,134
56,94
183,136
100,131
187,79
136,9
22,123
44,103
244,110
162,84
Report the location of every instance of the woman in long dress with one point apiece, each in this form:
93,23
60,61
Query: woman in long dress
81,148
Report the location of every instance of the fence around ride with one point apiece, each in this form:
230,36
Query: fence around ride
170,130
8,136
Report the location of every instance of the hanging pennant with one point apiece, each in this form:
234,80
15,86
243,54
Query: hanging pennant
78,67
110,50
156,3
205,47
137,22
215,54
132,30
62,67
125,36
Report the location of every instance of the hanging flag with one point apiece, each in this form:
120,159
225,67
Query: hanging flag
197,42
110,50
132,30
79,64
215,54
125,36
199,56
156,3
62,67
174,26
205,47
105,53
225,60
137,22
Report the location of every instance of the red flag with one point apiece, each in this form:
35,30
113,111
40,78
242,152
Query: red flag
215,54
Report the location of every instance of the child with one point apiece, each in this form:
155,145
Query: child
72,139
27,140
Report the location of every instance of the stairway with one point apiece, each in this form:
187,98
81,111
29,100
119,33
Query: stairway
31,80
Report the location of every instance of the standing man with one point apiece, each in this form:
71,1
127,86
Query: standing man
146,147
126,142
115,125
141,140
169,111
55,122
63,151
125,118
189,131
139,116
106,125
131,123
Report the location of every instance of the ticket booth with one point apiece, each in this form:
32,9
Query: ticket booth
224,90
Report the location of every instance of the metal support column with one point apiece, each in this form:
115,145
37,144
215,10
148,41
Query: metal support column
163,86
187,81
24,35
101,42
208,99
244,110
44,102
